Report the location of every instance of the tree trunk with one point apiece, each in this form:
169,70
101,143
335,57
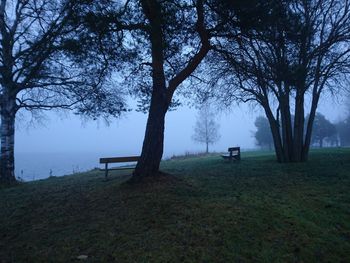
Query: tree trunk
286,123
152,149
298,140
7,129
276,135
207,148
309,127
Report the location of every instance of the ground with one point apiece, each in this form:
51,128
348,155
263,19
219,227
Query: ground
204,210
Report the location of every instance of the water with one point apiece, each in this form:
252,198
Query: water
36,166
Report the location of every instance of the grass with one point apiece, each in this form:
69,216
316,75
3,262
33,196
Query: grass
208,210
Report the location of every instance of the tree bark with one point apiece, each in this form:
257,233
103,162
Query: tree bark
276,135
152,149
299,119
7,129
309,127
287,136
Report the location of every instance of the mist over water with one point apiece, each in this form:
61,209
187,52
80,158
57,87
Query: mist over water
66,145
36,166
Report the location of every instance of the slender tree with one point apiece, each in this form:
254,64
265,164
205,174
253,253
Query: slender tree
289,53
206,129
36,72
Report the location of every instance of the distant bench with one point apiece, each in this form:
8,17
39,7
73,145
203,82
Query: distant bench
234,153
126,159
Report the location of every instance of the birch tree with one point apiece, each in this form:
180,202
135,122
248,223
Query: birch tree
37,74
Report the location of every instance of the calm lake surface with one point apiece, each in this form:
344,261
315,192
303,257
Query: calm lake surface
36,166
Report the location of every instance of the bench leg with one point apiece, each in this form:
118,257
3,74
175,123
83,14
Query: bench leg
106,171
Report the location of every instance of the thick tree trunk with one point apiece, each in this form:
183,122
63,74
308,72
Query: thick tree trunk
309,127
287,135
298,140
207,148
7,129
152,149
276,135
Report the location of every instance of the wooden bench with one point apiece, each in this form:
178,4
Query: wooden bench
234,154
109,160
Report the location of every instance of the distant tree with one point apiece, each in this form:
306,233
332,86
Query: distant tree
263,134
343,129
334,139
322,129
36,72
206,129
284,54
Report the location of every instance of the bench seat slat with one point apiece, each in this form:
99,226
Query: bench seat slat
119,159
228,155
119,168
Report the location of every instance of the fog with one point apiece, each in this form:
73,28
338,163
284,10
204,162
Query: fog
67,133
124,136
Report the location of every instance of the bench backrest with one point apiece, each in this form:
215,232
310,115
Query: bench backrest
120,159
234,149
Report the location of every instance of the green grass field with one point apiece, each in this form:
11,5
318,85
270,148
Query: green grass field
206,210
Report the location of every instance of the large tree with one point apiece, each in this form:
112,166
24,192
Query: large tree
284,58
37,72
166,41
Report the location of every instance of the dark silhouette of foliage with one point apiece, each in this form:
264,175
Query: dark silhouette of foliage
38,71
343,129
288,53
323,129
163,42
263,134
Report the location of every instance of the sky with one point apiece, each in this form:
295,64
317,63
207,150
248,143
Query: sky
67,133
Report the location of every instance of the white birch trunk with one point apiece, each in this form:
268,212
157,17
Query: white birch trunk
7,130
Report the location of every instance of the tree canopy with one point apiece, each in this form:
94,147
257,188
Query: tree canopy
37,71
165,41
290,53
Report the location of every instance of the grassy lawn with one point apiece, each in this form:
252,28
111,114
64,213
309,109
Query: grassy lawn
208,210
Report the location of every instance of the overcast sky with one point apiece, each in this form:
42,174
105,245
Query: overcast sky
124,136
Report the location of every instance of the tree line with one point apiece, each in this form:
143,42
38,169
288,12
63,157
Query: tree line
87,55
324,132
